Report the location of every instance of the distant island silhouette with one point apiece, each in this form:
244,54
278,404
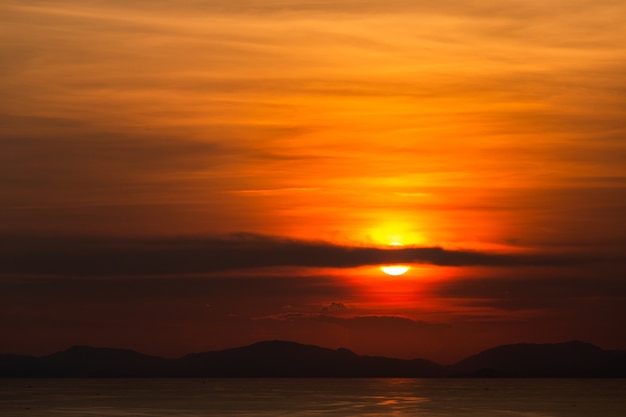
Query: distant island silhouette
290,359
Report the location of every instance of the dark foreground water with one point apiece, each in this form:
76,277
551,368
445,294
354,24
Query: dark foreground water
313,397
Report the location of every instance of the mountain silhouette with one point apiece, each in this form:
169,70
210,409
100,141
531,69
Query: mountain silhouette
570,359
104,362
290,359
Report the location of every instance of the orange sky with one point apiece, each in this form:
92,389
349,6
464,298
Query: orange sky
495,127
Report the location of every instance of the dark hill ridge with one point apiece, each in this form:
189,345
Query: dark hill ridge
104,362
571,359
290,359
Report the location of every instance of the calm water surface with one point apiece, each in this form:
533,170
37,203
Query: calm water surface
313,397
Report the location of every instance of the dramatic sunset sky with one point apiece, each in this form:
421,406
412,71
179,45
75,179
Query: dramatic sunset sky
190,175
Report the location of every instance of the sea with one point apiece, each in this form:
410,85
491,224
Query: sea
144,397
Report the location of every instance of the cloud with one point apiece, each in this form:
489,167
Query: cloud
334,308
193,255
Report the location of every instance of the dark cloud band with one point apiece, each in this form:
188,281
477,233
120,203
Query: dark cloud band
168,256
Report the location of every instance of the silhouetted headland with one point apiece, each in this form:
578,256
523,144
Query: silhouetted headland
290,359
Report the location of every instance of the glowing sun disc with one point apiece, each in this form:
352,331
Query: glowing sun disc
394,270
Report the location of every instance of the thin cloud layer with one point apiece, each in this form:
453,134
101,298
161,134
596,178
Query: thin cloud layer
102,256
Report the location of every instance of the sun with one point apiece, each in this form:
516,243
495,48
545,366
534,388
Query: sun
395,270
